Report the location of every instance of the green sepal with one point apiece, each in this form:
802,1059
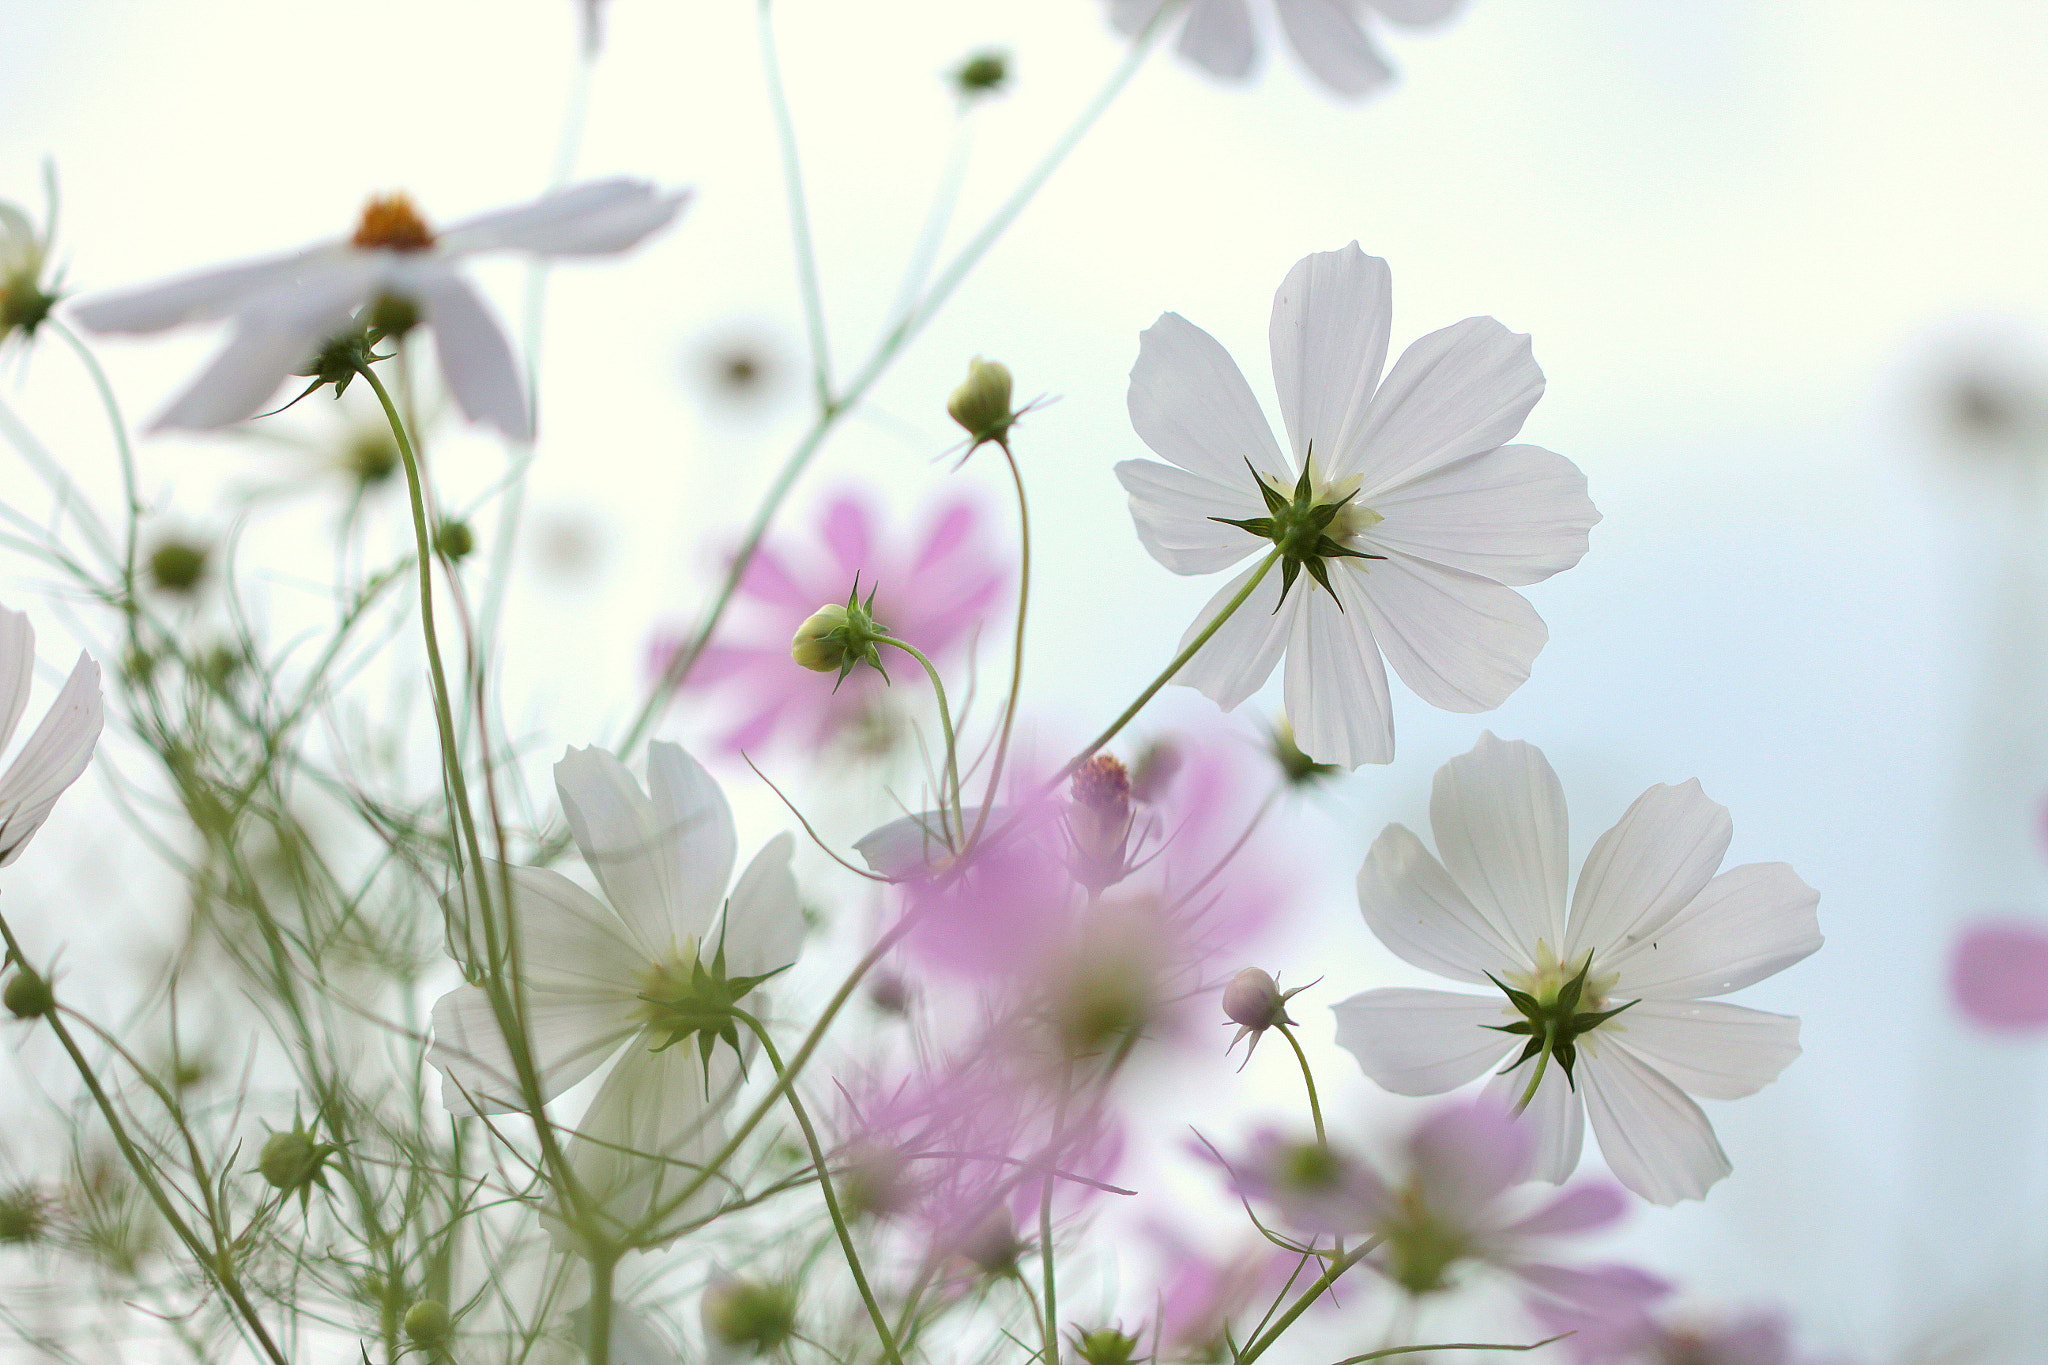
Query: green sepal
1299,529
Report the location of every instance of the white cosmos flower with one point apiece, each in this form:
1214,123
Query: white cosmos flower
1653,933
62,743
285,308
1328,35
1416,472
598,975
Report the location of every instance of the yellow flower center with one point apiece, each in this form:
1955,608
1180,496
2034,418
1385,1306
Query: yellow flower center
391,223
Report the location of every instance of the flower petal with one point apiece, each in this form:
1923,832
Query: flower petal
1748,923
1655,1140
1331,43
1329,340
1453,393
1175,514
1581,1208
1646,870
570,1036
1417,12
1465,1156
1611,1291
1460,642
1240,656
1498,814
1336,685
1998,976
52,759
594,219
17,669
1515,515
1416,1042
476,359
1556,1118
569,941
1412,905
1190,403
201,297
1218,38
1706,1048
764,920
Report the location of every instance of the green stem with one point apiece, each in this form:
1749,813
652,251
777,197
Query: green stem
126,453
598,1312
950,800
1315,1108
799,215
803,1120
1300,1305
1536,1076
995,775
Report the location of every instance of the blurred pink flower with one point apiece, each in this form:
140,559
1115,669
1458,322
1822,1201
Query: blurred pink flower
1199,1295
1999,975
1638,1337
933,594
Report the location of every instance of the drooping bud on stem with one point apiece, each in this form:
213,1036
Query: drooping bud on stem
841,638
1254,1002
982,403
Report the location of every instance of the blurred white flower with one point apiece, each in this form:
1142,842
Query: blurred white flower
651,967
25,300
1329,36
1414,522
286,308
1611,1002
62,743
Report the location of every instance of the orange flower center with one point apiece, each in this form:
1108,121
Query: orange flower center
391,223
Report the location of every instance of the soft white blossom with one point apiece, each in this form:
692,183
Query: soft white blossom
1329,36
60,747
285,308
1429,521
1653,933
651,969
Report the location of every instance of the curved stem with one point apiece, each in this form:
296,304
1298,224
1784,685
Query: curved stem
1536,1076
995,776
1315,1291
803,1121
950,799
125,451
799,215
1315,1108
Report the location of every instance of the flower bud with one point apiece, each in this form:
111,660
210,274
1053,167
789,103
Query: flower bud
1254,1002
28,996
453,539
982,402
177,566
1099,823
984,73
427,1322
749,1315
820,644
24,302
293,1161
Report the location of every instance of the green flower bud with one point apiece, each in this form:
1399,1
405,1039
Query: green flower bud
177,566
392,315
293,1161
453,540
427,1322
841,638
982,402
984,73
28,996
749,1315
371,458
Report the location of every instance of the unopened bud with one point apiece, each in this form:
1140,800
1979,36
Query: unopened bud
177,566
293,1161
749,1315
982,402
984,73
453,539
1254,1002
427,1322
28,996
1099,823
820,641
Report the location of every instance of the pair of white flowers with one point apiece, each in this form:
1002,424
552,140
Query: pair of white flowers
643,974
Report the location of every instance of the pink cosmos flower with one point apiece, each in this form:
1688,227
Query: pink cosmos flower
1639,1337
934,593
1329,36
1999,975
1199,1296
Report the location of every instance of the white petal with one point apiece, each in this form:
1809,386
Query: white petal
1331,43
241,378
1175,513
1453,393
1415,1042
1556,1117
1460,642
663,862
600,218
201,297
1647,869
1129,16
1329,340
1218,38
1336,685
568,939
1655,1140
1240,656
569,1034
1189,402
1499,819
1706,1048
647,1135
1411,904
1515,515
52,759
476,359
1417,12
17,669
1750,922
764,920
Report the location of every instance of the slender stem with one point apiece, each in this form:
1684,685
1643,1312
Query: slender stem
1045,1262
950,801
995,776
803,1121
1179,661
1536,1076
1449,1346
1315,1291
1315,1108
799,214
598,1312
126,453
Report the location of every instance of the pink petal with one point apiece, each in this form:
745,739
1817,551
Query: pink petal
1999,975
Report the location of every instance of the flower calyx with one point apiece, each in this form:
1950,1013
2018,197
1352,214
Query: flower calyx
698,1001
25,301
28,994
1299,528
292,1162
1106,1346
1553,1021
1254,1002
842,638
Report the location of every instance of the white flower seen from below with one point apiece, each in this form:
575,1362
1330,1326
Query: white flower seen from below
1329,36
657,969
1609,1004
62,743
1401,524
395,269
